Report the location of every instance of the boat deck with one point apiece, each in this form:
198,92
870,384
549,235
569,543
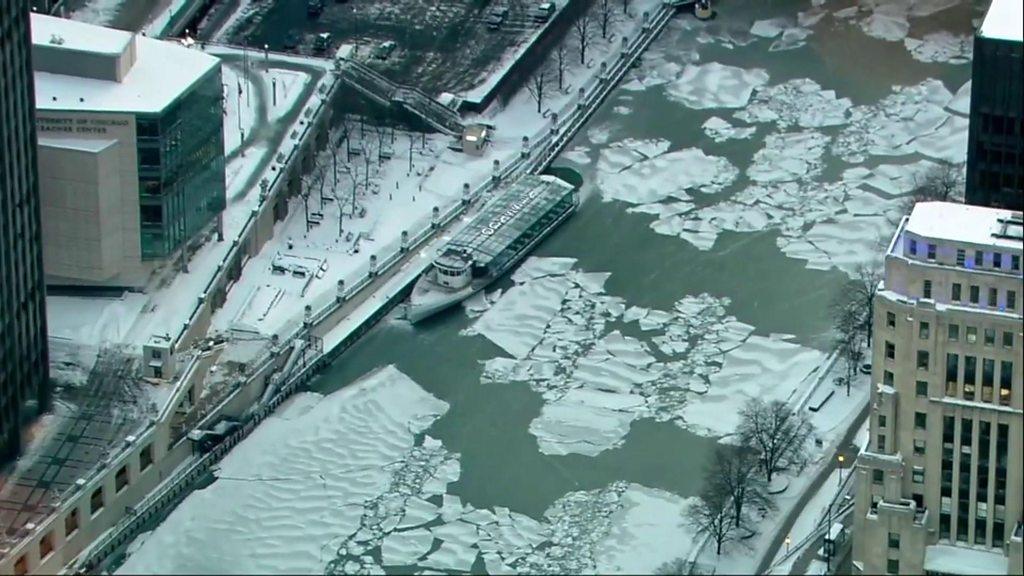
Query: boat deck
490,238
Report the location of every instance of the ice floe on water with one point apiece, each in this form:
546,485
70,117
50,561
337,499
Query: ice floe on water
798,102
641,172
596,381
721,130
716,85
890,19
941,46
302,481
961,102
340,485
788,156
895,125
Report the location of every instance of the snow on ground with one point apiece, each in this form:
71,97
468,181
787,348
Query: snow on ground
93,320
715,85
830,424
246,107
596,381
341,484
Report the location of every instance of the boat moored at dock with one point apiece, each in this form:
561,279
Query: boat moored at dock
507,228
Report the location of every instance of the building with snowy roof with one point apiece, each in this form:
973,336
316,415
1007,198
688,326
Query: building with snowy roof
995,153
131,150
939,486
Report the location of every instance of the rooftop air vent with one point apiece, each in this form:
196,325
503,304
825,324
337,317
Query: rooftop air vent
57,39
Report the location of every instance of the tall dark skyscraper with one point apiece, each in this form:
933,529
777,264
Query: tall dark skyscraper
24,382
995,151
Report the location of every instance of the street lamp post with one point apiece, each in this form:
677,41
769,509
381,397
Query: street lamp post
841,460
789,539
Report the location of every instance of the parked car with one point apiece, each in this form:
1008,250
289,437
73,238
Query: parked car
496,18
314,7
542,12
382,51
323,42
292,40
865,368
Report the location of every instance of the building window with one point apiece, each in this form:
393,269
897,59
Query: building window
21,566
890,320
917,475
972,334
877,477
892,566
997,260
944,524
880,445
926,289
923,330
955,296
887,378
952,373
975,294
931,251
922,359
961,256
894,540
1011,300
881,420
121,479
979,258
1005,380
998,534
921,388
953,334
1007,339
913,247
970,376
45,546
890,350
71,523
1015,262
919,446
921,420
96,501
990,336
146,458
993,297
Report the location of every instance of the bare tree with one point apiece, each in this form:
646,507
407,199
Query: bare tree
537,85
584,28
625,6
854,304
605,16
776,432
848,346
561,61
943,182
711,515
736,469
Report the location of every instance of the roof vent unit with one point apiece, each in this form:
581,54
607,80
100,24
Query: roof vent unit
57,39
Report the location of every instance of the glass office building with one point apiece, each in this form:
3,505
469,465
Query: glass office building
181,167
24,387
995,153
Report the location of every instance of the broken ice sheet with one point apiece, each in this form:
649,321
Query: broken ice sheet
788,156
941,46
800,102
721,130
668,175
405,548
716,85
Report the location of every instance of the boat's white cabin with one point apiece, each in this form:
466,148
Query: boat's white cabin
452,271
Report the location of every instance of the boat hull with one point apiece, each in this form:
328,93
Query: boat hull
426,300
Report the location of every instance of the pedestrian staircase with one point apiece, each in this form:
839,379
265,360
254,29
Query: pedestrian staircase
385,92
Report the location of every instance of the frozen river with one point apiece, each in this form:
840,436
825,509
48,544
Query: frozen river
561,423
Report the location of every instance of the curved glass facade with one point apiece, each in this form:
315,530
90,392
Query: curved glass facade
181,168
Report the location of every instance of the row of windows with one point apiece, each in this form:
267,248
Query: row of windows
953,333
956,294
968,377
97,502
979,258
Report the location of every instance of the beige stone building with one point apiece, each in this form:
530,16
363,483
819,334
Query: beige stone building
940,486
